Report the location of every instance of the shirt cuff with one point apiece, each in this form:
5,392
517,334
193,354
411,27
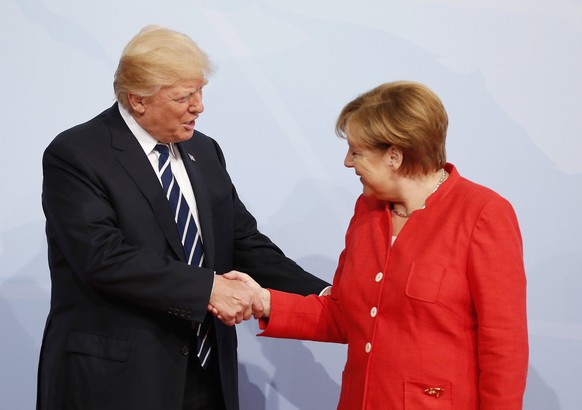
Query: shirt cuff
326,291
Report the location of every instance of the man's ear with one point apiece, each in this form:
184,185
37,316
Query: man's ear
136,102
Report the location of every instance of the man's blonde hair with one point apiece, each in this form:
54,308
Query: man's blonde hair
157,57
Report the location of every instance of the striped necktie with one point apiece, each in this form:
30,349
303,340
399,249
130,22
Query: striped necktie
191,240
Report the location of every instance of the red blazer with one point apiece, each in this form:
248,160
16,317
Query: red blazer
437,320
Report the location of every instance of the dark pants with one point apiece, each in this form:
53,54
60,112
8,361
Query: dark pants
203,390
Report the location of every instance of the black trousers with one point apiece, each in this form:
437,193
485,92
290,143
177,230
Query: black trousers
203,390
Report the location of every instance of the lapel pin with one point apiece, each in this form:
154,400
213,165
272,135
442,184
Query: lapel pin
192,157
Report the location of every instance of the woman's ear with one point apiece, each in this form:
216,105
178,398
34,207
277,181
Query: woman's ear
394,157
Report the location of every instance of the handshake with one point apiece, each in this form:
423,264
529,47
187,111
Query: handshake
236,297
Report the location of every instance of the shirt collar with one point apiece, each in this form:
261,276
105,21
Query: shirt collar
147,142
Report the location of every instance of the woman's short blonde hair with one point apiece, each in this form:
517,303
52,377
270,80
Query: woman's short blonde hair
157,57
405,114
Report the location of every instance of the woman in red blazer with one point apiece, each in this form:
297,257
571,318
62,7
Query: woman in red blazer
430,290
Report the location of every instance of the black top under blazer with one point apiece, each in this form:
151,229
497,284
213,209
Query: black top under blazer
123,299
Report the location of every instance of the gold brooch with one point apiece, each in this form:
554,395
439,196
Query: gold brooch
434,391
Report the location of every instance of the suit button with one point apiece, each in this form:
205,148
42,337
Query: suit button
379,276
185,350
373,312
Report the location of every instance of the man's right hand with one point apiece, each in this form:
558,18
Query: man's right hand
263,295
232,301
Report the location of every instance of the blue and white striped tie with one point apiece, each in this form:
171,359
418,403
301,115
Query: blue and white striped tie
191,240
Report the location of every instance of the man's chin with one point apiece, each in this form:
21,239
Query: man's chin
184,137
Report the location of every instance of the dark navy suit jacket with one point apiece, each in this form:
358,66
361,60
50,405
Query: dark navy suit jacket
123,299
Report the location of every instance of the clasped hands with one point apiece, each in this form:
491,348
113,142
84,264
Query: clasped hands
236,297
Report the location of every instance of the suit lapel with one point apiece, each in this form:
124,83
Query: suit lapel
203,203
132,158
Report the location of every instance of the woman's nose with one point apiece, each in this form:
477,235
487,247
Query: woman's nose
348,161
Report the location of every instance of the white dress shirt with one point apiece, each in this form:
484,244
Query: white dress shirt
148,144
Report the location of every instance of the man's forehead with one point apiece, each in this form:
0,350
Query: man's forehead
188,84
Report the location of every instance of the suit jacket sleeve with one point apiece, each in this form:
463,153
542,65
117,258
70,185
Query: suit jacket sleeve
257,255
100,225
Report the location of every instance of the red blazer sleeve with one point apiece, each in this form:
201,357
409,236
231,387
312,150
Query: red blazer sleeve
498,285
312,317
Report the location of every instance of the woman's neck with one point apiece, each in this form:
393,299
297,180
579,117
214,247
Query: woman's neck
415,192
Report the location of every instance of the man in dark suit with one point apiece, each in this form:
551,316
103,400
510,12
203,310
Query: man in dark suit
126,300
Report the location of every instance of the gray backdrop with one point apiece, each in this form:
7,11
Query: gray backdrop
508,72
